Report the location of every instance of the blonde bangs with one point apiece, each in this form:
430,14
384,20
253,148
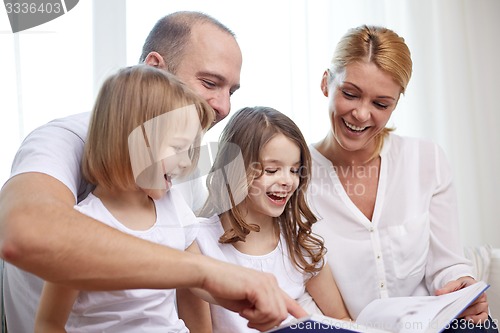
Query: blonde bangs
375,44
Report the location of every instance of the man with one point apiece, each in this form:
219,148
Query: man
42,234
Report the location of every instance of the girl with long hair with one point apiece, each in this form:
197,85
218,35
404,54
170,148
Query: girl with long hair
258,216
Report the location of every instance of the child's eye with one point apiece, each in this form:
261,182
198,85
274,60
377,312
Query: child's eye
271,171
294,170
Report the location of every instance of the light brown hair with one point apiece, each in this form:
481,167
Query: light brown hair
250,129
125,101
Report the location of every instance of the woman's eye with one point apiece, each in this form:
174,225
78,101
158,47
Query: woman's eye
271,171
348,94
381,105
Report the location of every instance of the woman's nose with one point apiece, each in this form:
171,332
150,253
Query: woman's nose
362,113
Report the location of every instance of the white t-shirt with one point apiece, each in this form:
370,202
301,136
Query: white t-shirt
290,279
140,310
411,246
56,149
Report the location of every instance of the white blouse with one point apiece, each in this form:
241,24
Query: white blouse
411,246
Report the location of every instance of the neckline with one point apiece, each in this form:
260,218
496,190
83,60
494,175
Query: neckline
120,225
339,188
233,249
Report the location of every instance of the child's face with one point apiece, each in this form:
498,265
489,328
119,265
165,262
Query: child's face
270,192
170,138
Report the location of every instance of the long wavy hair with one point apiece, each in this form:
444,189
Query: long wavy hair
245,135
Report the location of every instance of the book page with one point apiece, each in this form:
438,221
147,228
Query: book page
418,314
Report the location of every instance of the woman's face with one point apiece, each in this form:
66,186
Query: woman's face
361,101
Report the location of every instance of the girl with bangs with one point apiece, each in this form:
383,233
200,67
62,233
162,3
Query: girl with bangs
257,215
143,132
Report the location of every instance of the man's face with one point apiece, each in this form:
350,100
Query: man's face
212,66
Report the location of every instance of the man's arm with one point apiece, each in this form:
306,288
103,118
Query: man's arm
41,233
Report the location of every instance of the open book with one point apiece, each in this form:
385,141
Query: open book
422,314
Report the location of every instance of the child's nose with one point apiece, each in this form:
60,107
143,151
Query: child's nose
185,159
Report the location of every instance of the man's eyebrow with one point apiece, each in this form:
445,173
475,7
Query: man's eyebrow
235,87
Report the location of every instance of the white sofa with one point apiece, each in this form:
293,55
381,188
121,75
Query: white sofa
486,262
2,316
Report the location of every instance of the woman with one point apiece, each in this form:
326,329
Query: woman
386,204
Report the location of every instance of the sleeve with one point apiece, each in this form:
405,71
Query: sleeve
191,231
55,149
210,229
446,261
188,220
88,208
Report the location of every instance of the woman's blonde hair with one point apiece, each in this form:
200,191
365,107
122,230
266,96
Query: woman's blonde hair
126,101
249,130
378,45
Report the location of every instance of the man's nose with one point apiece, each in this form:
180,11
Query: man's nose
221,104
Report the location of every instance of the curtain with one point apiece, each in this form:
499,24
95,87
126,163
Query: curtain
56,69
45,73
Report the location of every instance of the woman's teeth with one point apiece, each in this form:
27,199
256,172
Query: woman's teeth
353,127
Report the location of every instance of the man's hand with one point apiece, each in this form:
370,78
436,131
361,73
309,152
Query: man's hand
477,312
256,296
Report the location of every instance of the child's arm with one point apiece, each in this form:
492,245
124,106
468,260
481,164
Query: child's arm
191,308
55,306
326,294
